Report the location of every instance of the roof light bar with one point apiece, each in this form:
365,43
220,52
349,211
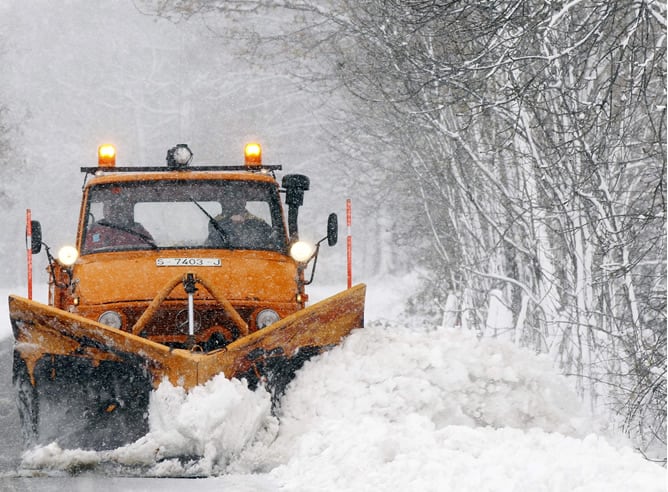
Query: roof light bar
179,158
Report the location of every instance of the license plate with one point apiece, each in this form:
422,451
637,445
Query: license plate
207,262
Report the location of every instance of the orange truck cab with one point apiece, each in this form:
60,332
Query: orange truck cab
142,228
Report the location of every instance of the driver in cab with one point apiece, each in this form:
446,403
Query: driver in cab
236,228
117,229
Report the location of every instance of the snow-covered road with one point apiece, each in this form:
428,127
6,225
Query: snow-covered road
398,406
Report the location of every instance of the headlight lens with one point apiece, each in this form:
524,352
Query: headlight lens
111,318
302,251
266,317
67,255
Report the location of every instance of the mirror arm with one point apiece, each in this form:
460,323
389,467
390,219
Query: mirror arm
315,261
52,262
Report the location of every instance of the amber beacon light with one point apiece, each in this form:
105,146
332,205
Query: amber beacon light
253,154
106,155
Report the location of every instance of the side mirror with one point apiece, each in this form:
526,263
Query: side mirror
36,238
332,229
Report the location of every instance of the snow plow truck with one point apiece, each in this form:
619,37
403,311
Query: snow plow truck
179,273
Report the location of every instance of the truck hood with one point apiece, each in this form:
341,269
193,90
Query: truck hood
136,276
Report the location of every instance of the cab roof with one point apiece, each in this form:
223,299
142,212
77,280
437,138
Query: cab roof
136,174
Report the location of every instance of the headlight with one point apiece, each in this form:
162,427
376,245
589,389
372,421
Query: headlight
266,317
111,318
302,251
67,255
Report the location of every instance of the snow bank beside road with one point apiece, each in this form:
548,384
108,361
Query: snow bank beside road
407,408
40,293
398,406
448,376
395,407
385,296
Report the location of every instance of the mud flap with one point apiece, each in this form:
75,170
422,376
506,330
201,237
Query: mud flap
79,405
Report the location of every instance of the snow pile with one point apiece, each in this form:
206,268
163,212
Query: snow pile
52,457
212,423
392,408
397,406
448,376
191,434
403,409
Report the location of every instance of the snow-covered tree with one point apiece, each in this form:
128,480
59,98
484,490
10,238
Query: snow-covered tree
520,146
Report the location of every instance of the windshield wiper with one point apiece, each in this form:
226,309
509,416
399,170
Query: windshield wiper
221,232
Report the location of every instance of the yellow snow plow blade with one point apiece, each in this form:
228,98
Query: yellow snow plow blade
43,331
87,385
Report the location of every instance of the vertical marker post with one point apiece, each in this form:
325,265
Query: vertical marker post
349,219
29,250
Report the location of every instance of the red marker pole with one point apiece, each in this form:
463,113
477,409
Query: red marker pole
29,250
349,220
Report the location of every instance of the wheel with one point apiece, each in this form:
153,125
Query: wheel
26,401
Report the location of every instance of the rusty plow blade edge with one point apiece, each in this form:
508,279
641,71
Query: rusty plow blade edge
41,330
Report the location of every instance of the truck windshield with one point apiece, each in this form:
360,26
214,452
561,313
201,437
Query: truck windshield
162,214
